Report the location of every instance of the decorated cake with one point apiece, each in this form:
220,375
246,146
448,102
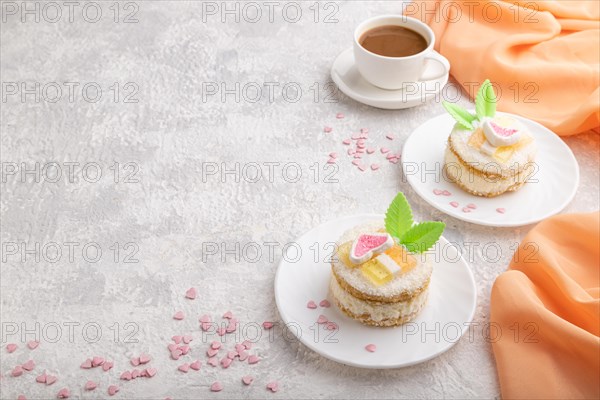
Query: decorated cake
380,272
488,155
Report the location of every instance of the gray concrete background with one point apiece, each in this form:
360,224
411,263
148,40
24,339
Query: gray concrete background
160,211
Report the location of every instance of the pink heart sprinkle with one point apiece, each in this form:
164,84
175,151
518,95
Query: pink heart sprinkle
374,167
231,354
346,142
466,210
471,206
500,210
191,293
253,359
21,397
184,367
355,162
215,345
243,355
333,155
216,387
126,376
135,361
187,339
384,150
136,373
228,315
29,365
247,344
446,193
213,361
273,386
312,305
17,371
90,385
112,390
390,136
331,326
231,327
327,129
144,358
212,352
325,303
151,372
177,339
322,319
205,319
226,362
370,150
239,348
63,393
196,365
178,315
267,325
172,347
175,354
184,350
331,161
454,204
87,364
97,361
41,378
221,331
205,326
437,192
107,365
33,344
11,347
339,116
371,348
50,379
247,379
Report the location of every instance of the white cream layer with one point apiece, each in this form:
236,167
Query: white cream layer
482,184
377,311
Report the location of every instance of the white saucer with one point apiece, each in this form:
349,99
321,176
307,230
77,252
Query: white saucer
551,188
441,323
346,76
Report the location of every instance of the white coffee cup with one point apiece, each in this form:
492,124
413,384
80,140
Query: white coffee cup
396,72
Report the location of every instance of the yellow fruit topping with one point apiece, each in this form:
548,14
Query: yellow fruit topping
477,138
504,153
343,254
402,258
376,272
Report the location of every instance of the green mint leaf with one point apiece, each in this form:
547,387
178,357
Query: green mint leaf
423,236
462,116
485,101
398,218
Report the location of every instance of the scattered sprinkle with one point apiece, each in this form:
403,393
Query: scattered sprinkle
33,344
500,210
311,304
384,150
247,380
112,390
390,136
322,319
90,385
178,315
325,303
339,116
471,206
273,386
374,167
191,293
11,347
327,129
216,387
63,393
371,348
253,359
454,204
346,141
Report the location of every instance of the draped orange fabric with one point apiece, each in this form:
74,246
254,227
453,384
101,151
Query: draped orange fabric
542,56
547,308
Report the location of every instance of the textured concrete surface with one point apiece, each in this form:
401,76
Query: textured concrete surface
167,213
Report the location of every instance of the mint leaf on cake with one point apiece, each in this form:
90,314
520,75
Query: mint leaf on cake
485,101
398,218
460,115
423,236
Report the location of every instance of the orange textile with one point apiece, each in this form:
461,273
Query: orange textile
547,308
542,56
